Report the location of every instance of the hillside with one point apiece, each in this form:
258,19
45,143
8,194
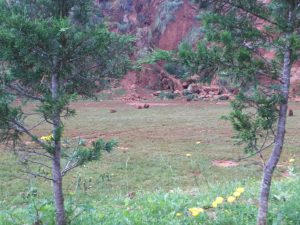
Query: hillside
160,24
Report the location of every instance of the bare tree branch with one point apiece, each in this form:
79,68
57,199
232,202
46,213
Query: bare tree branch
69,167
38,124
36,140
22,92
38,163
38,175
257,152
36,153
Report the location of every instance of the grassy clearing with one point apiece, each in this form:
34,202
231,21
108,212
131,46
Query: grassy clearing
153,144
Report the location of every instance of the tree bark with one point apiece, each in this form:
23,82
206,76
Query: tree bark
279,139
56,167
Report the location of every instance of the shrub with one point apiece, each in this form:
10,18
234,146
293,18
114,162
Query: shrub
176,69
194,35
186,92
167,95
191,97
124,27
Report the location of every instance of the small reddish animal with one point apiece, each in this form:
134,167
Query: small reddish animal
291,112
140,107
112,111
146,106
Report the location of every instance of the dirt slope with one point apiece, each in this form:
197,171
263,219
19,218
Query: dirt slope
160,24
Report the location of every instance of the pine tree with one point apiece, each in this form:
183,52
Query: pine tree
50,53
238,36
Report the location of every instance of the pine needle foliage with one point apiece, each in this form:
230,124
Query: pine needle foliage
52,52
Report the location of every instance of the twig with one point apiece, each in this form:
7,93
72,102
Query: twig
34,152
38,124
262,159
67,169
38,175
39,163
21,91
30,134
257,152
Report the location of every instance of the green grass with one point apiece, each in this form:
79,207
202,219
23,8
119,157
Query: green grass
161,208
153,144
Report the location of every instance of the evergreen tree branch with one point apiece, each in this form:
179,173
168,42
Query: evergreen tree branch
21,128
240,6
20,91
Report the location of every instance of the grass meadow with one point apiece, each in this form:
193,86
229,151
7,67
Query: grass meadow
163,165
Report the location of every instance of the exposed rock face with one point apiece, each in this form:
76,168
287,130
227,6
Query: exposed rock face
295,78
165,24
159,23
179,27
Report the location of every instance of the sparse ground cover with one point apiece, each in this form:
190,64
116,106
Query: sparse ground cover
171,145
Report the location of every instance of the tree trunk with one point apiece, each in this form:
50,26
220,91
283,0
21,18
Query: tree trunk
279,139
57,189
56,170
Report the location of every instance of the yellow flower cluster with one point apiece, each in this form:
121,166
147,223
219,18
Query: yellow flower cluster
178,214
292,160
47,138
231,199
196,211
218,201
235,195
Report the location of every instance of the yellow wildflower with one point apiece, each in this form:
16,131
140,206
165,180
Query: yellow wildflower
231,199
237,194
196,211
214,204
188,155
178,214
219,200
292,160
47,138
240,189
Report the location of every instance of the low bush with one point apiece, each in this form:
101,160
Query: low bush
191,97
176,69
167,95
